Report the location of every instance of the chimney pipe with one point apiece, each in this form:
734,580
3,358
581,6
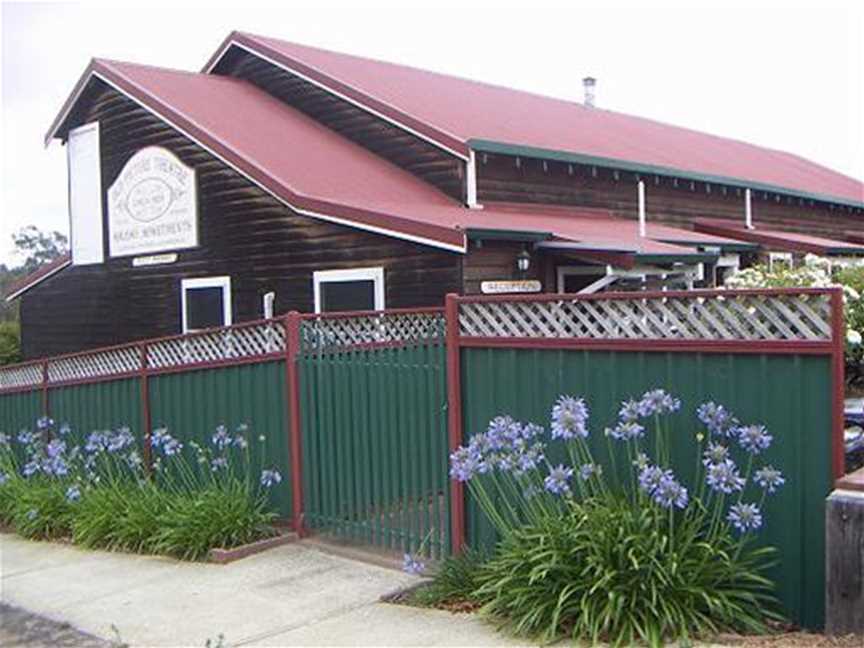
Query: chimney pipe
588,85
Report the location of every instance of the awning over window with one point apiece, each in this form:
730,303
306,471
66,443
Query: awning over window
597,235
778,240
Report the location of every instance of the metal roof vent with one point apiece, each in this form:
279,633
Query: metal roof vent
588,85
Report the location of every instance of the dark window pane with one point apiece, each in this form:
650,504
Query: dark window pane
347,295
573,283
204,308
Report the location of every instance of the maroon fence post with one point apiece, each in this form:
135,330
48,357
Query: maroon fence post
838,367
46,405
292,400
146,420
454,419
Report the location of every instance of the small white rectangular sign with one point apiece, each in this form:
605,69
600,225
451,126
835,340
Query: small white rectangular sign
152,206
510,286
154,259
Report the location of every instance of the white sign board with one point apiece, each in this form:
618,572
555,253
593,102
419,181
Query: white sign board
154,259
504,287
85,195
152,206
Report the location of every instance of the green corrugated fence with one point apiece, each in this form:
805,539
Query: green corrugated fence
191,404
372,400
790,394
374,425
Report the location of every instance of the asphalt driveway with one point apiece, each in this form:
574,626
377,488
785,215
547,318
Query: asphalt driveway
292,595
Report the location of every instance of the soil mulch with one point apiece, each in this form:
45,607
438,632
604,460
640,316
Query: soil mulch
791,640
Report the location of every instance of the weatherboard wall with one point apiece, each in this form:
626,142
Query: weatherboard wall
510,178
243,232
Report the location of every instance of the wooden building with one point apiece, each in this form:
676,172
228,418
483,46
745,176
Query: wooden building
283,177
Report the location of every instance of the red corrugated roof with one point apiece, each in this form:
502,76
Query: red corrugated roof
457,112
778,240
314,169
38,275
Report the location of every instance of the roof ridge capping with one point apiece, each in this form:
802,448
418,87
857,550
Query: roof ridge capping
796,180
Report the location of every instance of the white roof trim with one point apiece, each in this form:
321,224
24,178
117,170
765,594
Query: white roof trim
37,281
335,219
221,53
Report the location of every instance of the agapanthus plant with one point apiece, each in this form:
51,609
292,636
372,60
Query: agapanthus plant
711,511
98,487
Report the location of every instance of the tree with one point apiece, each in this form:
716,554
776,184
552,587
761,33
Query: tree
38,247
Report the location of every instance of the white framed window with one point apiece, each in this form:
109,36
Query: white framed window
85,195
779,260
583,278
348,290
205,303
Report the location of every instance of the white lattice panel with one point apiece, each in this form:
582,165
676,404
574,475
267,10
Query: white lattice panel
380,328
25,376
724,317
95,365
215,346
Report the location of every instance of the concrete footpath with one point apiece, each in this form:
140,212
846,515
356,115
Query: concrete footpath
292,595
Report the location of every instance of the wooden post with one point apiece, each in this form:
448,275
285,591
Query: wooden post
844,558
838,367
454,420
46,405
292,398
146,420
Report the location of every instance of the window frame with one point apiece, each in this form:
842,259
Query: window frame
563,271
223,282
374,274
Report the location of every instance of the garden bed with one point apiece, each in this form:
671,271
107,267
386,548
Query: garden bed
96,491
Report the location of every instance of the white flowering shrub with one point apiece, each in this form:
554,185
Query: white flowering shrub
816,273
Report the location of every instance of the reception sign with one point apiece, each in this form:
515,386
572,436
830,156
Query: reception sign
508,286
152,205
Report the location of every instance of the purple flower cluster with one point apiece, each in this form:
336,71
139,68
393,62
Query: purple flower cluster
715,453
769,478
412,565
507,445
165,443
569,418
724,477
466,462
754,438
717,419
654,402
109,441
658,402
745,517
73,494
662,487
221,439
589,470
626,431
270,478
557,481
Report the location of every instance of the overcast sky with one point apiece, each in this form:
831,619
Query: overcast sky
783,75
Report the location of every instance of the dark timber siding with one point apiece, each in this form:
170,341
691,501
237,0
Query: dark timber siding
415,155
244,233
499,178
